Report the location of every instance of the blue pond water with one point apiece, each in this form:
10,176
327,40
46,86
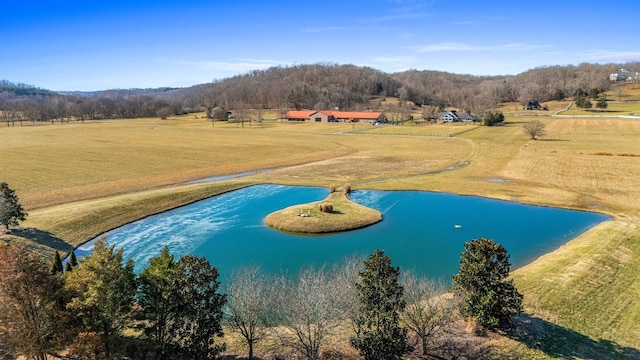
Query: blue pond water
418,230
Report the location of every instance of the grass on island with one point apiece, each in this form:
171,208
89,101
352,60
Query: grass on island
78,180
309,219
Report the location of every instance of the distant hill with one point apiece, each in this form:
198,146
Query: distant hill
19,89
316,86
120,93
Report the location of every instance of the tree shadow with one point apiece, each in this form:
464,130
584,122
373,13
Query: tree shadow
559,342
43,238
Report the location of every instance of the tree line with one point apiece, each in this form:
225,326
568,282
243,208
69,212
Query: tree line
65,108
313,86
98,308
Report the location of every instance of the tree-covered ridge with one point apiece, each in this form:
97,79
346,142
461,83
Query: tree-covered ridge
20,89
312,86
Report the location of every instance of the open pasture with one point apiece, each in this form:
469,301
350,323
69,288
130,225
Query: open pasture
627,92
516,109
78,180
614,108
52,164
596,159
419,129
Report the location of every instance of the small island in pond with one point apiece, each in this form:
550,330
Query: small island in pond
333,214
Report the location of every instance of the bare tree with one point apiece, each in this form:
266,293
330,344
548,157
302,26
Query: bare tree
345,276
427,309
248,305
307,311
535,129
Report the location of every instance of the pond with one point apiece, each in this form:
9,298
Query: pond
421,231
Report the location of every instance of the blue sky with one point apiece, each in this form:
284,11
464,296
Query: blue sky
97,45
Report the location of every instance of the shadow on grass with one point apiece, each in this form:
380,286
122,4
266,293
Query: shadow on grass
43,238
559,342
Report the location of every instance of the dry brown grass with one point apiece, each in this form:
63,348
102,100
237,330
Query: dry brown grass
94,173
420,129
614,109
565,160
53,164
312,219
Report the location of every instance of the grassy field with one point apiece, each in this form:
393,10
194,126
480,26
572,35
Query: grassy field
614,108
79,180
419,129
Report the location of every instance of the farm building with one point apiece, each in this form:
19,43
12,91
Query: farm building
335,116
299,115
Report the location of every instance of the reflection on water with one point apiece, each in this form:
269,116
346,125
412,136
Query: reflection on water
418,230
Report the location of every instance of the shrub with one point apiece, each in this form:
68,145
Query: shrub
347,189
326,207
332,189
493,118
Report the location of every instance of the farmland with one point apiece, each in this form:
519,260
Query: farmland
77,180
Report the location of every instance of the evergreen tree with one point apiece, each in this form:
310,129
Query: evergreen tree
56,266
198,307
558,95
73,260
103,291
157,312
378,335
488,296
68,267
602,103
583,102
11,212
493,118
180,309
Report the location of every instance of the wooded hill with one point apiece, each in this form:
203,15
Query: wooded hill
314,86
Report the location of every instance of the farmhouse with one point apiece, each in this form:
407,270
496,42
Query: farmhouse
335,116
454,116
624,75
534,105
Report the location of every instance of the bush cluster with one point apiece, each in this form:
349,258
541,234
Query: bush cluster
493,118
326,207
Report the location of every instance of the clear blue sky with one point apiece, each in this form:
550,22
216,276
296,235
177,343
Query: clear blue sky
96,45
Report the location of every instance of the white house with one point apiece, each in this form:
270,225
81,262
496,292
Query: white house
454,116
448,116
621,75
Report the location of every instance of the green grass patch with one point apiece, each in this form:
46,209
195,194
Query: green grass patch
590,285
